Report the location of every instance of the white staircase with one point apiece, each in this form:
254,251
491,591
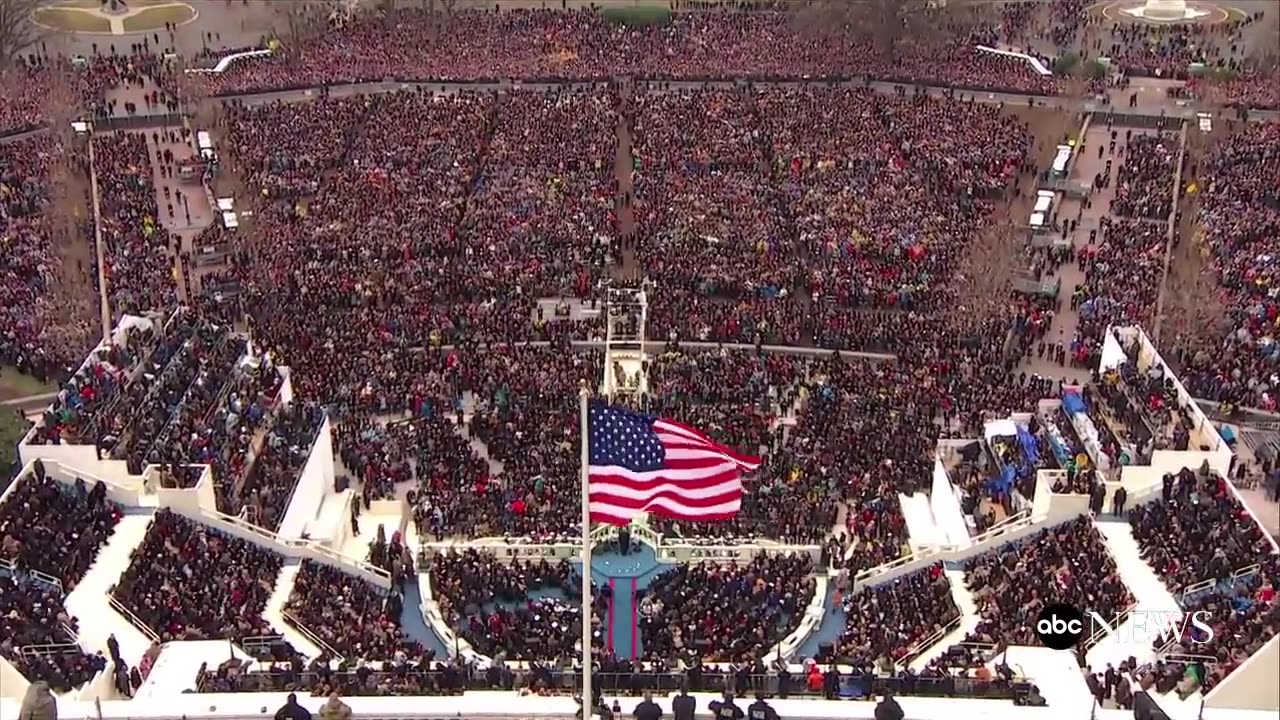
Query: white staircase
921,529
88,601
969,620
1059,678
1148,590
274,611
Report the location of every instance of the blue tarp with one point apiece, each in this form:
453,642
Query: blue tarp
1072,402
1004,483
1030,448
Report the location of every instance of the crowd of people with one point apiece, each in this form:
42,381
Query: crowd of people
1244,616
411,45
1067,564
717,612
49,528
1199,531
1241,220
47,327
352,617
885,623
1144,185
523,610
266,489
187,581
138,268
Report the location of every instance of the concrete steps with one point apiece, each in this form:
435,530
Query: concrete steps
969,620
1148,590
88,602
274,611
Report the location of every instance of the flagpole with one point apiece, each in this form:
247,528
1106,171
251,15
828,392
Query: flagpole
587,706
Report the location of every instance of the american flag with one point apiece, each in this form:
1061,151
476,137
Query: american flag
640,463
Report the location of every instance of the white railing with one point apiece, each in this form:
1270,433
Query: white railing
12,567
914,651
311,637
119,607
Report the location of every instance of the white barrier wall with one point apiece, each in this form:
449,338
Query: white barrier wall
288,547
946,507
1253,685
315,482
12,683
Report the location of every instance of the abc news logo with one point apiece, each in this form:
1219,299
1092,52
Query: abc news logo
1062,627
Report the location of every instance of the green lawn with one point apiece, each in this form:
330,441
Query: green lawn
71,20
156,17
12,427
14,384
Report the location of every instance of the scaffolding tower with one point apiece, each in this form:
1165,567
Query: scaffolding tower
626,366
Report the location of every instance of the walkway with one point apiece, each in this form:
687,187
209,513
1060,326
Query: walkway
627,577
1089,214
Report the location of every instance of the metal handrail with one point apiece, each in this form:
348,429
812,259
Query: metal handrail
925,643
128,615
12,567
65,648
309,635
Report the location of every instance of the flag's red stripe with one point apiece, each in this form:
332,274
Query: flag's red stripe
639,504
685,443
624,520
640,485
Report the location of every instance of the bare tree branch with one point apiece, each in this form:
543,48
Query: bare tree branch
17,31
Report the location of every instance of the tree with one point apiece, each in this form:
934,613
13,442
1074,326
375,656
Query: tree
17,31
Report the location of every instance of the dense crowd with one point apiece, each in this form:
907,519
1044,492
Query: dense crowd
1243,616
886,623
517,611
56,530
1064,564
73,415
32,616
45,326
218,429
352,617
1240,214
267,488
725,612
1199,531
411,45
187,581
1144,184
139,270
410,270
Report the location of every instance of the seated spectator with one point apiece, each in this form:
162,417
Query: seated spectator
268,488
1065,564
725,613
54,529
189,582
1199,531
32,614
352,616
886,623
517,611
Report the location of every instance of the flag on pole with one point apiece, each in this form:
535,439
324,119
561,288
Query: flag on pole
640,463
